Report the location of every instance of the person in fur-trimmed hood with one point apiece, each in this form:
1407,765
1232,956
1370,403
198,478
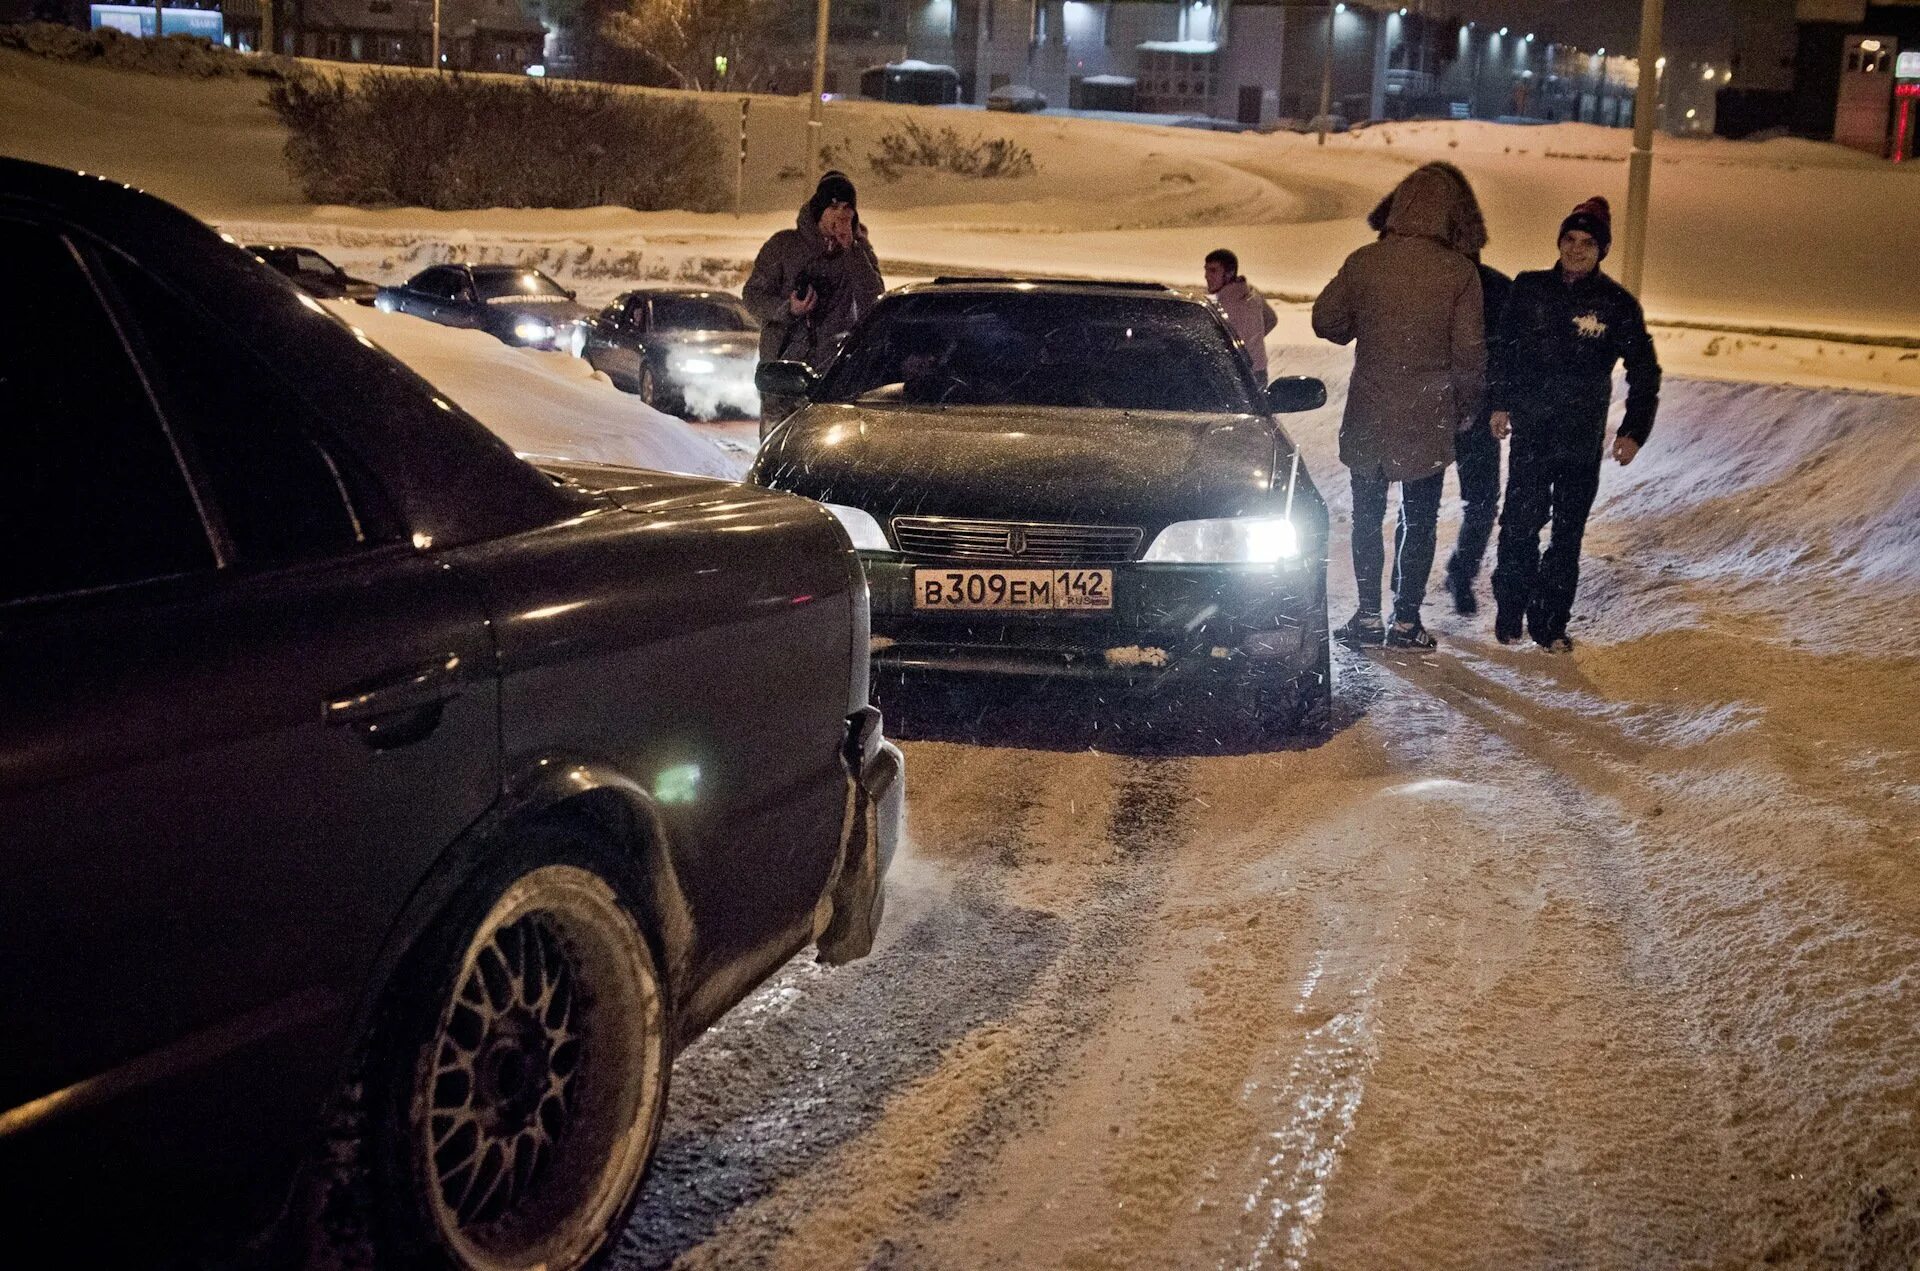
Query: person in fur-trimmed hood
1412,304
1563,331
1476,452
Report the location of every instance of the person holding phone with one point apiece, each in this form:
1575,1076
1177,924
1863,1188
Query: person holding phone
811,283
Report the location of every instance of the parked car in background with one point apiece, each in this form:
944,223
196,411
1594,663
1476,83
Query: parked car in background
381,813
518,305
1070,481
688,350
1017,98
315,274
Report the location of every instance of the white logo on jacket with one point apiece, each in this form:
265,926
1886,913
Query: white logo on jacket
1589,325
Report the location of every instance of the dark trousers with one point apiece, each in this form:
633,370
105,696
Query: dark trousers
1412,541
1476,455
1543,484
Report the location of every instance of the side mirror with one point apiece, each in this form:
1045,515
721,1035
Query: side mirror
1291,394
785,379
572,294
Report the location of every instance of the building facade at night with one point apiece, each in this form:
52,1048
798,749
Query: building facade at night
1261,61
1856,74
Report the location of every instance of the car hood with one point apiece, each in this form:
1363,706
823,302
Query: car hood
558,312
1024,463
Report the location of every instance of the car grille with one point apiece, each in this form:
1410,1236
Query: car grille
1040,543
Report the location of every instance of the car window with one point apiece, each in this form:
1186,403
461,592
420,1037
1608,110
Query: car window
313,263
92,494
446,284
283,495
700,313
636,313
1101,352
517,284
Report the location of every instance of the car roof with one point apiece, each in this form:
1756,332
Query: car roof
702,293
506,269
1013,284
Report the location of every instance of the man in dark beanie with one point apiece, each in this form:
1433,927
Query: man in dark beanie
1561,334
811,283
1412,303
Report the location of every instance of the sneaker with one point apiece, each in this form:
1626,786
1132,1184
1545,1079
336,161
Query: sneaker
1362,628
1464,602
1507,626
1410,635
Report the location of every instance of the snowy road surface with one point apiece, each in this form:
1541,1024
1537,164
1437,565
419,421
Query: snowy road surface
1488,979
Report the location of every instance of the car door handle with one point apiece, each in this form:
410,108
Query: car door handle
397,709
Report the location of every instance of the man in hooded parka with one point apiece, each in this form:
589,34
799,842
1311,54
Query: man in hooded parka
1412,304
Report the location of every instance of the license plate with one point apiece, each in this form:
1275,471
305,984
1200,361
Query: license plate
1023,590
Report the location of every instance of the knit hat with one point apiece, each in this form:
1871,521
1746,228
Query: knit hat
834,187
1592,217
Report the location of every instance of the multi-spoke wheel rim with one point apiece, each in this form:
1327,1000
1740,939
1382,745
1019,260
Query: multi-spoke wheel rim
534,1107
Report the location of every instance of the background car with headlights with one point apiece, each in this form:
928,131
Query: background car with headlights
514,304
688,350
354,773
315,274
1069,480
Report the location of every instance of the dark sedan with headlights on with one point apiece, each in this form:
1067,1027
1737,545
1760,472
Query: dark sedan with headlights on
518,305
1069,479
689,351
380,814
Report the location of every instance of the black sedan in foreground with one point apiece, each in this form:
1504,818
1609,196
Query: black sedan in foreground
315,274
380,814
1069,480
520,306
689,351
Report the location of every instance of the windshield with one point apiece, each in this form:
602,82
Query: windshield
1096,352
700,313
313,263
516,284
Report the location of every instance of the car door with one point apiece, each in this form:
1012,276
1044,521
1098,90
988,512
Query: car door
431,294
244,716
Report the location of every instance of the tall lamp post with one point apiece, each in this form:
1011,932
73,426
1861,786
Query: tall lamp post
1326,76
436,38
815,107
1640,165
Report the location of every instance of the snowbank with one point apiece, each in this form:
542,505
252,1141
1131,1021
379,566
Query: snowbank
548,405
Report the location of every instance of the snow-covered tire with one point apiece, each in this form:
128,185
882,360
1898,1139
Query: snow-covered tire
518,1085
1301,705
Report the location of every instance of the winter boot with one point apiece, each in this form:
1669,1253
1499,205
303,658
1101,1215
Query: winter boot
1559,644
1361,629
1405,634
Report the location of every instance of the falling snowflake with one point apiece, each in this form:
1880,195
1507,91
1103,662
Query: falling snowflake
1589,325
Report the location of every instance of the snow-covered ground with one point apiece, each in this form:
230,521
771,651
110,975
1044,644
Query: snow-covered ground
1603,961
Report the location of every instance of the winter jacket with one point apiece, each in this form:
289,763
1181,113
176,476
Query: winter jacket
846,282
1251,317
1413,303
1557,348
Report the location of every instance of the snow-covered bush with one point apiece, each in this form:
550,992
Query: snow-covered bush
914,146
455,143
192,56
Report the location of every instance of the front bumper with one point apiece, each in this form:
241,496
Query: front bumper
850,915
1166,621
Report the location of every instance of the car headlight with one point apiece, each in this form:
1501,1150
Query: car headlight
865,532
532,330
1231,540
691,365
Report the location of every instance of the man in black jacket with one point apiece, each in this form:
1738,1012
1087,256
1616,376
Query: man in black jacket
1561,334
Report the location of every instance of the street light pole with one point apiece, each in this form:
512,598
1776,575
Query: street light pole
1640,165
1326,77
816,125
436,37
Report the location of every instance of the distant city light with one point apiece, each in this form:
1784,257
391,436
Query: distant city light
1503,30
1403,13
537,71
1709,74
1339,8
1692,113
1660,63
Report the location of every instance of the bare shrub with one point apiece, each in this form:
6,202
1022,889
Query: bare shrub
914,146
456,143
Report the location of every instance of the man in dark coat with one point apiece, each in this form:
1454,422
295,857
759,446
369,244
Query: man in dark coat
1412,301
1561,334
811,283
